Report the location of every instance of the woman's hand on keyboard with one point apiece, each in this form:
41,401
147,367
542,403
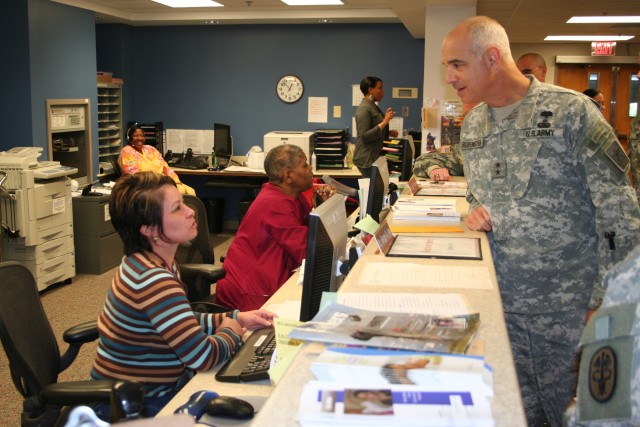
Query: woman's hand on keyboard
256,319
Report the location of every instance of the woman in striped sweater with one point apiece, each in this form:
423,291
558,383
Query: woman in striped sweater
148,332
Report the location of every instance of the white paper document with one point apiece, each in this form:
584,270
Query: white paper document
421,275
440,304
200,141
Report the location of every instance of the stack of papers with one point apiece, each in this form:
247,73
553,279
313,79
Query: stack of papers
442,188
425,209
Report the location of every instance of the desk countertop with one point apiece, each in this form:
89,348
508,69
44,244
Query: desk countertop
336,173
282,405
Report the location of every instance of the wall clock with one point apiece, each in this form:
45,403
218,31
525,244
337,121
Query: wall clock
289,89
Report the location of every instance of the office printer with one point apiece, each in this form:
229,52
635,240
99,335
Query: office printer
303,140
37,221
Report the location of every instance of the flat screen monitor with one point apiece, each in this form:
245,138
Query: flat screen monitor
378,187
406,170
222,142
326,247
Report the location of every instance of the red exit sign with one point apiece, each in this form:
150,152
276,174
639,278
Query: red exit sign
603,48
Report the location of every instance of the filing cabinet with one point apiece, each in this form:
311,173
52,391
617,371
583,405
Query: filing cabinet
98,245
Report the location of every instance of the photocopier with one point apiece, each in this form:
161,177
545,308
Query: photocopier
36,214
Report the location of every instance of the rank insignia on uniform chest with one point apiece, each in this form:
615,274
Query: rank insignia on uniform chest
499,169
602,374
546,115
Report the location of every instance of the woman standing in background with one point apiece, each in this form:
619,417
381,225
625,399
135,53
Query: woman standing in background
372,125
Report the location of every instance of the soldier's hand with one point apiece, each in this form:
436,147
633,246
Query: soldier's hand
478,220
440,174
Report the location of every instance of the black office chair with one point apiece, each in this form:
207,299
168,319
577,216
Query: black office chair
35,360
196,260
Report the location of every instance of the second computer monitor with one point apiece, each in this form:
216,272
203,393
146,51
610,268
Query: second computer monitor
222,142
326,247
378,188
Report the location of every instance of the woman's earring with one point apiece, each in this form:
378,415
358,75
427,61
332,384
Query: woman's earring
155,239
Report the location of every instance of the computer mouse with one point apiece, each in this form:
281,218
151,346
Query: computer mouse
230,407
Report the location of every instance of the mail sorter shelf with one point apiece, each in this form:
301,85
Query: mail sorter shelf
110,132
397,154
330,147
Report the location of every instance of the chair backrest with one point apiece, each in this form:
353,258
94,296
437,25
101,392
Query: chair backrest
25,332
200,249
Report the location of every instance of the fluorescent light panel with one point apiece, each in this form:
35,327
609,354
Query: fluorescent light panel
604,20
313,2
588,38
188,3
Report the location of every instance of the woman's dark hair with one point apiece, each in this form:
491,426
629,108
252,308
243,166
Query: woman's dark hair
131,130
367,83
136,200
591,92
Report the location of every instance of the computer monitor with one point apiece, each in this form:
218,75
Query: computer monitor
378,187
326,246
406,170
222,143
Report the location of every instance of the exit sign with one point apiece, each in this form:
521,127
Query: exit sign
603,48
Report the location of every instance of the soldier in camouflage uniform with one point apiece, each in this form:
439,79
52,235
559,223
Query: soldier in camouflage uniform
429,164
548,182
634,146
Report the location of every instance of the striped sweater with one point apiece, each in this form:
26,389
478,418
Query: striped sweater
149,333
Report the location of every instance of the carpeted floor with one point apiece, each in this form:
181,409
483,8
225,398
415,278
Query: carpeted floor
68,305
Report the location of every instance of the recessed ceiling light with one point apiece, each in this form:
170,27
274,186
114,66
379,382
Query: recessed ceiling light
189,3
604,20
211,22
313,2
588,38
325,21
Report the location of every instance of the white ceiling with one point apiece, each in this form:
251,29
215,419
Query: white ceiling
526,21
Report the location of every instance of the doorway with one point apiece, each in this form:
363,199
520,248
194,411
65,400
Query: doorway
617,82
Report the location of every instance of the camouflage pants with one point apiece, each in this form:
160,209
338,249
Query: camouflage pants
545,351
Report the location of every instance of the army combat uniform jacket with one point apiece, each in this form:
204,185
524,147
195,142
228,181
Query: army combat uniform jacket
427,162
553,178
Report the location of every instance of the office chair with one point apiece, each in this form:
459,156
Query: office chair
35,360
196,261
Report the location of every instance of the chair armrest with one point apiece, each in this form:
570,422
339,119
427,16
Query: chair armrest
83,333
208,272
209,307
77,392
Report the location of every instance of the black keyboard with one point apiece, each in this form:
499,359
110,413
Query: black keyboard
251,362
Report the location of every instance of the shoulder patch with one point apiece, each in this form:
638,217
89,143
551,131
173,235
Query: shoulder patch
616,154
603,372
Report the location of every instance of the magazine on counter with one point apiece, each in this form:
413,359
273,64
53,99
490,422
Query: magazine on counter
324,404
337,323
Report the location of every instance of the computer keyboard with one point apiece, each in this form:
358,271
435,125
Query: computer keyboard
252,362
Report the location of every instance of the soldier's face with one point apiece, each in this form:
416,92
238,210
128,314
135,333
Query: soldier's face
466,72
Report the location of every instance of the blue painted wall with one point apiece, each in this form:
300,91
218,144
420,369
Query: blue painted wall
52,52
190,77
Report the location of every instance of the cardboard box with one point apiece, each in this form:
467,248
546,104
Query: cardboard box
104,77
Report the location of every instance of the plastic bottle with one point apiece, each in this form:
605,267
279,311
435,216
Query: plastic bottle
314,162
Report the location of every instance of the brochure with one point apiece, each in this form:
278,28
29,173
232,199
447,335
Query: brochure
324,404
381,367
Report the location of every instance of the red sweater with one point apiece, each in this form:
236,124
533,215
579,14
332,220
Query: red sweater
271,242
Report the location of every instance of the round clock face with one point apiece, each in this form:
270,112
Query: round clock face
289,89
